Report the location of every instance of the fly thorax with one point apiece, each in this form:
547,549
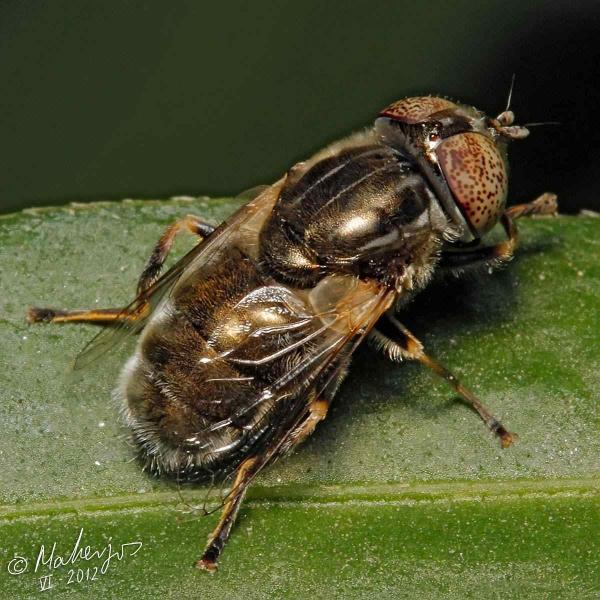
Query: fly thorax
362,211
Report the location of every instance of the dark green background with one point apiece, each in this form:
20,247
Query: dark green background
112,99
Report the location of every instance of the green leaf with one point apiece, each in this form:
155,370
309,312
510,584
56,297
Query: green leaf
400,493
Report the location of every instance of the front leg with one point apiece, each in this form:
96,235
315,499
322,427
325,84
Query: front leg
460,260
397,342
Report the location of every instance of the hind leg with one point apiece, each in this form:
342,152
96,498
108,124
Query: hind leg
316,412
218,538
107,317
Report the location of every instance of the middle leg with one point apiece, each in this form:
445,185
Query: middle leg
397,342
108,317
161,250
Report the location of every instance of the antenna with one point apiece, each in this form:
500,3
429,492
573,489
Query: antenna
510,92
542,123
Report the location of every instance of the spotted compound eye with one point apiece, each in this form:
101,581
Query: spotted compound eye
416,110
476,174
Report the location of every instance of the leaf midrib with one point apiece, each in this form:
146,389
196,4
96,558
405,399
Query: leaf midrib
390,493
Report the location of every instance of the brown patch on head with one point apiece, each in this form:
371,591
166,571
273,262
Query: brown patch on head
477,177
417,109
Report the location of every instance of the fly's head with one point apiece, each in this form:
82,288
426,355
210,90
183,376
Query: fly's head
461,151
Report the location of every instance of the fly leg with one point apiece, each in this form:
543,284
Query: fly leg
162,248
397,342
107,317
220,534
458,261
317,411
544,204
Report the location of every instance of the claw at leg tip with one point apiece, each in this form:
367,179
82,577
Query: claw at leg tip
205,564
39,315
508,438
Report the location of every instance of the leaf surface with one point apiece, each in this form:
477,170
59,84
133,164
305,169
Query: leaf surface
400,493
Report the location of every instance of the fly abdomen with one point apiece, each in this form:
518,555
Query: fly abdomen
200,391
177,391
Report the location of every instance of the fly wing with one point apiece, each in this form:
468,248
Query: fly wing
243,223
306,356
350,322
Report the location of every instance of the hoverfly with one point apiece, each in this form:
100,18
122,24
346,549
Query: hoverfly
245,341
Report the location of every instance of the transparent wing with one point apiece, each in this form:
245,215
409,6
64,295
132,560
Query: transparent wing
319,369
252,193
344,327
347,309
243,222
